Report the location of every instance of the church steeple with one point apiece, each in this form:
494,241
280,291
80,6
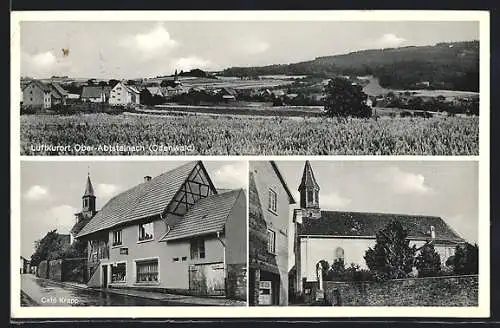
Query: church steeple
88,198
309,192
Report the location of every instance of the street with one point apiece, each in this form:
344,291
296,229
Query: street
42,292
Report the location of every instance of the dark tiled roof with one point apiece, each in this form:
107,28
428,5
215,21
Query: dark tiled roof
39,84
79,225
144,200
308,179
60,90
92,92
208,215
360,224
89,189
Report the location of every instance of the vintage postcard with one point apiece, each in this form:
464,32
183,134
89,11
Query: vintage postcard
282,163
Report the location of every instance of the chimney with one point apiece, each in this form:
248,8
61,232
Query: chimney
147,178
433,233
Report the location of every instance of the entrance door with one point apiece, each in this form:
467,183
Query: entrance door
265,292
207,279
105,276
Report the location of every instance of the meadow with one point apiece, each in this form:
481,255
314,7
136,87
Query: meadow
221,135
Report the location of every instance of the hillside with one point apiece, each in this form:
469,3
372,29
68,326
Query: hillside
453,66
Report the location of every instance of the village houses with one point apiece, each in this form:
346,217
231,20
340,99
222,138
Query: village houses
175,232
38,94
269,218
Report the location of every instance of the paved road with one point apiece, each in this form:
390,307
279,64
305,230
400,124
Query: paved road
43,292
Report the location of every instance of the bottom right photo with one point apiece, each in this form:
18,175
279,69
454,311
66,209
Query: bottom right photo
363,233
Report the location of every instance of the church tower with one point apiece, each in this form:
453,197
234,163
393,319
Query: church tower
309,193
88,200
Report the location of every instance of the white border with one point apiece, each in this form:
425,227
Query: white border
483,310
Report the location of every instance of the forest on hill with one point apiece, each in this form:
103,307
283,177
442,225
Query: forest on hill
452,66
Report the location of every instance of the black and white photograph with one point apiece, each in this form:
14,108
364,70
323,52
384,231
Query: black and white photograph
363,233
249,87
133,233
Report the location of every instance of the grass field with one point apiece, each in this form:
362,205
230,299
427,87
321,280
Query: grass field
206,135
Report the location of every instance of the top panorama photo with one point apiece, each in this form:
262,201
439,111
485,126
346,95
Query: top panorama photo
249,88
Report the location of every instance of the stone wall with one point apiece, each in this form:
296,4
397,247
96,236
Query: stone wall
55,270
237,281
435,291
43,269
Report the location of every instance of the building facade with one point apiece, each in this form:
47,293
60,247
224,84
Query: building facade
335,235
174,232
123,94
269,219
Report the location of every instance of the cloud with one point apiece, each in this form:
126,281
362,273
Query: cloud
190,62
389,40
107,190
333,200
231,176
61,217
45,64
251,45
156,39
37,192
403,182
44,59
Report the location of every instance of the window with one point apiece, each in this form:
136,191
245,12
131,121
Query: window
271,241
118,272
273,196
117,238
147,271
146,231
310,196
175,259
197,249
316,196
339,253
184,258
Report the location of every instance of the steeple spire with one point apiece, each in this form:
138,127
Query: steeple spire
88,198
309,189
89,189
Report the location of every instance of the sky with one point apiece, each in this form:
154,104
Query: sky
132,49
51,192
435,188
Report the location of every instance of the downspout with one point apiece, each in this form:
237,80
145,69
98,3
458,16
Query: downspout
223,256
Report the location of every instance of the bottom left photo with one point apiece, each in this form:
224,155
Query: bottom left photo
133,233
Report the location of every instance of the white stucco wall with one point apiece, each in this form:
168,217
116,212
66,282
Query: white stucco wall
314,250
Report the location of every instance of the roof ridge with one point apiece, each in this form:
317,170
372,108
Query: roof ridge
383,213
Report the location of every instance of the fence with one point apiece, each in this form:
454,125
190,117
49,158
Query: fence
74,270
435,291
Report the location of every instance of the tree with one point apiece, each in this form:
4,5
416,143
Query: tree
91,82
466,259
76,250
345,99
50,247
325,267
428,262
102,83
391,257
337,271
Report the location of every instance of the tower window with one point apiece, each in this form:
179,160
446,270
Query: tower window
85,202
310,196
271,241
339,254
316,195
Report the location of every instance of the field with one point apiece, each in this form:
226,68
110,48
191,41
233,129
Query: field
221,135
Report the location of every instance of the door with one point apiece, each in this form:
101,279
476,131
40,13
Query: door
265,292
207,279
104,276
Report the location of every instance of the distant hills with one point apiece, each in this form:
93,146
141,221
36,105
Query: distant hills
453,66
